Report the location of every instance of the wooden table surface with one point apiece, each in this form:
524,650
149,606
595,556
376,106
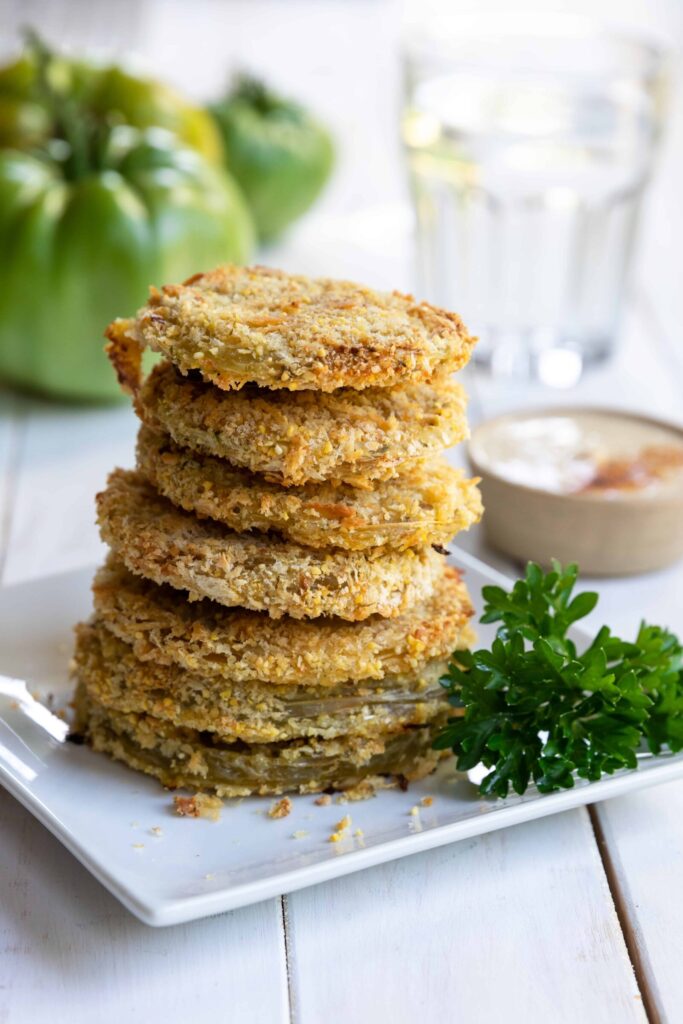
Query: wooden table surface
574,918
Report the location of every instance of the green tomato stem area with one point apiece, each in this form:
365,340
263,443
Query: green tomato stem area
76,252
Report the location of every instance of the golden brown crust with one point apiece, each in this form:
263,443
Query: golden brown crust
305,436
238,325
155,540
185,757
253,711
125,354
200,805
287,472
281,808
212,641
427,504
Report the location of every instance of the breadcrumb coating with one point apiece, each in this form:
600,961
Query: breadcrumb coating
300,437
427,504
252,711
276,610
201,805
181,757
240,325
230,643
281,809
155,540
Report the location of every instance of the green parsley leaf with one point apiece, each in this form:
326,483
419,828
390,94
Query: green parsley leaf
537,711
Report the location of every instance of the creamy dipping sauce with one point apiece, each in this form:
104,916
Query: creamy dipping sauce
582,452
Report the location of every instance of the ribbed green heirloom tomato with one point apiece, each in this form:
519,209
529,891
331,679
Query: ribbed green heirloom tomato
27,120
277,152
85,231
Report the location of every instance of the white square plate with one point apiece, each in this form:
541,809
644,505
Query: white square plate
166,869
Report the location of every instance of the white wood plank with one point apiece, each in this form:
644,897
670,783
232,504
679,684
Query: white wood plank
515,926
11,431
643,834
67,454
71,954
70,944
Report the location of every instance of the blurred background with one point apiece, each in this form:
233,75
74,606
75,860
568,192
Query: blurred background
326,185
345,64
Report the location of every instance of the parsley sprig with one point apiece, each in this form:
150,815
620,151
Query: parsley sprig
535,710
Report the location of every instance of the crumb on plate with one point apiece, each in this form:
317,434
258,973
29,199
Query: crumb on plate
341,829
201,805
281,808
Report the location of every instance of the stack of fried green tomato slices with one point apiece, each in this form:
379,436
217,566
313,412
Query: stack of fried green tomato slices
276,610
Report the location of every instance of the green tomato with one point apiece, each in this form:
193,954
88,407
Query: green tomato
278,153
106,92
145,102
75,254
24,121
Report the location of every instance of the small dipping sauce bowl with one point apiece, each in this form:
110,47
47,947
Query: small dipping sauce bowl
600,487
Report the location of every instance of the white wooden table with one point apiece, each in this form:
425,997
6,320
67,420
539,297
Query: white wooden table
577,918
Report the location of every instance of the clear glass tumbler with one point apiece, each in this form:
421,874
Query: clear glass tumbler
529,144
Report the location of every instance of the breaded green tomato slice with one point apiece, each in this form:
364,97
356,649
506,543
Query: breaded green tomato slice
180,756
240,325
427,504
253,711
158,541
207,639
305,436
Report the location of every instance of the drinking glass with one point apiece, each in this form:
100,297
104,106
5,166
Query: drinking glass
529,145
